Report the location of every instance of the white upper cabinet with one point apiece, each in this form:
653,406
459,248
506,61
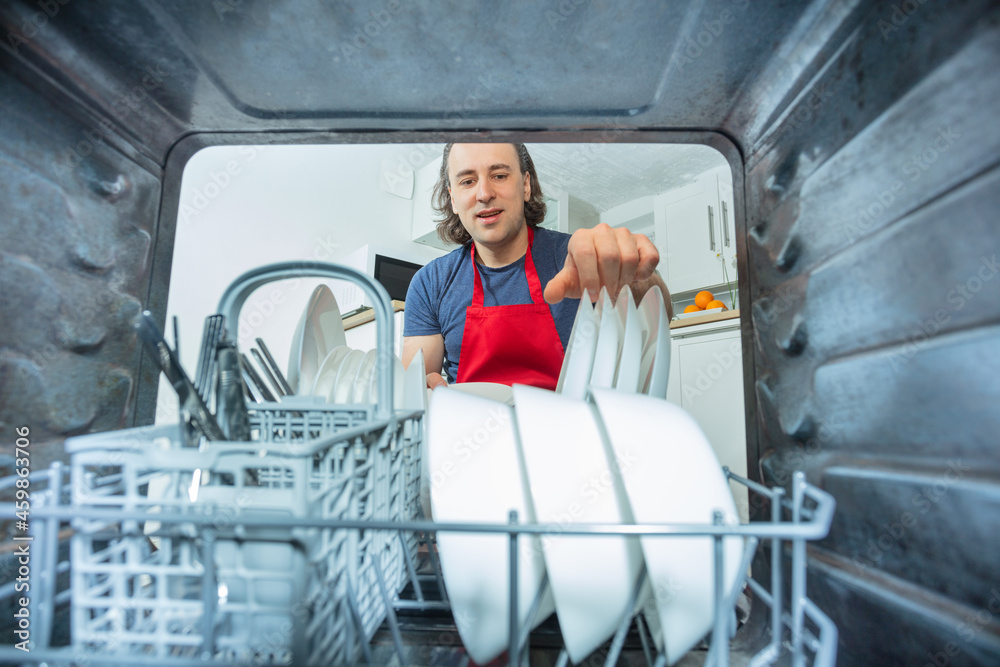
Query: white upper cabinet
424,227
698,233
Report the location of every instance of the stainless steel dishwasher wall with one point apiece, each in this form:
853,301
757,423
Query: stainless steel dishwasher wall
864,145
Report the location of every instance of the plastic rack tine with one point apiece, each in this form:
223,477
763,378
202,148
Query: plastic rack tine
435,565
640,625
522,640
359,625
410,570
777,583
513,651
209,594
619,640
749,549
390,613
50,530
720,639
826,652
563,658
798,570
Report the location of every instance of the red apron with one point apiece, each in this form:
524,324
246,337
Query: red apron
511,344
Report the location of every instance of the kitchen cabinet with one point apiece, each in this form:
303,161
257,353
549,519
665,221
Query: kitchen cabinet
637,215
698,232
706,379
423,227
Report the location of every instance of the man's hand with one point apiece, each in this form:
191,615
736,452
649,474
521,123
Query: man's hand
602,257
434,380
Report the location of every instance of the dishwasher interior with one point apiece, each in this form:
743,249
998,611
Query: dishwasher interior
862,140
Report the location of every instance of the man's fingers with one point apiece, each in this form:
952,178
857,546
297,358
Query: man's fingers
609,258
649,257
602,257
560,286
435,380
629,253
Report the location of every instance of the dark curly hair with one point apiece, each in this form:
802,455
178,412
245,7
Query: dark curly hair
449,225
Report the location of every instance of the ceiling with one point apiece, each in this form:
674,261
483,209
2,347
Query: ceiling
605,174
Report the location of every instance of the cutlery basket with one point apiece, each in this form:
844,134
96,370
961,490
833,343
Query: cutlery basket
165,586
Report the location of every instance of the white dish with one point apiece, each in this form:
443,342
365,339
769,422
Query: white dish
568,471
343,386
361,392
399,384
327,374
319,330
579,360
656,354
630,357
653,436
684,316
608,344
476,476
491,390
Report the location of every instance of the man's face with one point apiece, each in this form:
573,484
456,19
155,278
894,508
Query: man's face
488,192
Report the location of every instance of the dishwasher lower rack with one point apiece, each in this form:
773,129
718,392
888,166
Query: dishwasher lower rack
261,583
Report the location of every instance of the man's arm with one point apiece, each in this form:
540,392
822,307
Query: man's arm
433,347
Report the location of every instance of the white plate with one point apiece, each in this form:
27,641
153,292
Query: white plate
343,386
319,330
491,390
398,385
579,360
327,374
476,476
656,355
361,392
608,344
630,358
684,316
567,467
652,436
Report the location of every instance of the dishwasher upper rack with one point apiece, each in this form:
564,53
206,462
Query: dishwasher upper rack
803,517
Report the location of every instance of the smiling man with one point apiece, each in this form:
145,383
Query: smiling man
480,313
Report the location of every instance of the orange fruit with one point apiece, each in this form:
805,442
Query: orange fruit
692,309
703,298
716,304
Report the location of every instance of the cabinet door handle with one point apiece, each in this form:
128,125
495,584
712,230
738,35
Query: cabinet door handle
711,229
725,224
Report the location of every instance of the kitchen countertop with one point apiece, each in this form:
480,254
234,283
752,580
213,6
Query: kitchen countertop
369,315
705,319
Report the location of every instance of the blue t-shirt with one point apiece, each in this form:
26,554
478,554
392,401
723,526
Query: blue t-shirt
441,291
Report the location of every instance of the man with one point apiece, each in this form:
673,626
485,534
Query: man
480,313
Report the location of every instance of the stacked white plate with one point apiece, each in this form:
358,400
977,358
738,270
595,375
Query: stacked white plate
618,345
609,458
321,364
319,331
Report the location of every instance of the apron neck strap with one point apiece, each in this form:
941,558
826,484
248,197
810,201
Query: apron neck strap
534,285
